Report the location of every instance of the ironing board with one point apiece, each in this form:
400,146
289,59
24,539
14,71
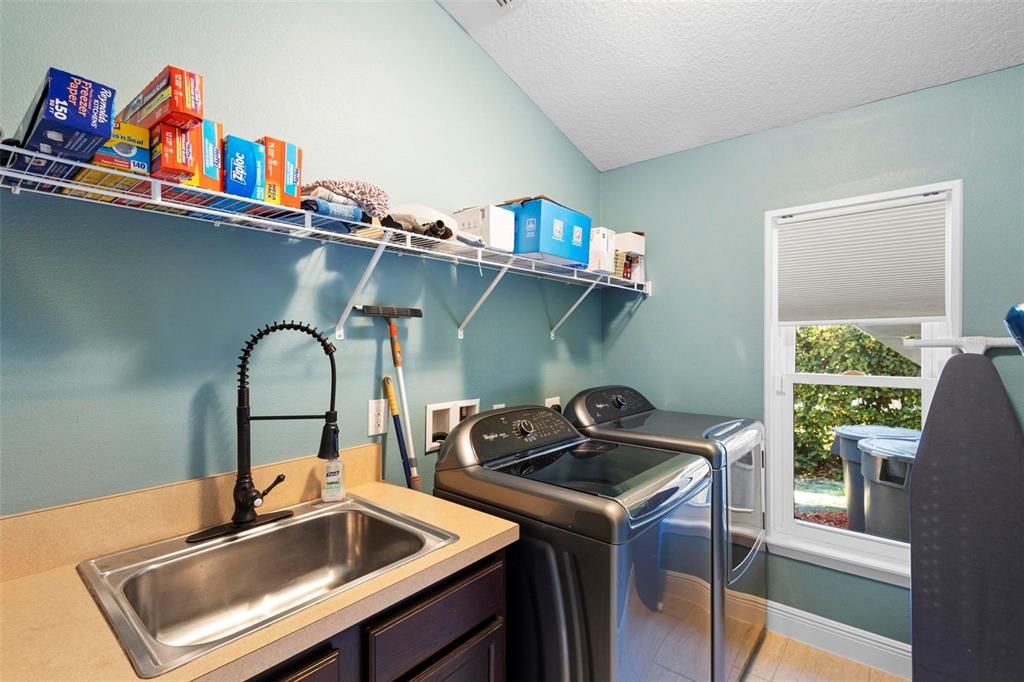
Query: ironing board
967,526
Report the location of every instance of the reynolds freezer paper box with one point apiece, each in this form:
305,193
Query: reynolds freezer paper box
127,150
171,153
207,140
174,97
244,168
283,172
70,117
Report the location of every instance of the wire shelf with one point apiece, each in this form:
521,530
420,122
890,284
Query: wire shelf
23,170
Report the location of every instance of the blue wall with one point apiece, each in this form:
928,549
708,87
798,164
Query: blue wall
119,330
704,212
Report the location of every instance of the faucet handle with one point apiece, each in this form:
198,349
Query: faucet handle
277,481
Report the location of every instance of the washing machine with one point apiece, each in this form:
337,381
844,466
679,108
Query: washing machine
733,448
610,579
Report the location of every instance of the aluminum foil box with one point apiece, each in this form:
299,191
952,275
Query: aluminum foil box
174,97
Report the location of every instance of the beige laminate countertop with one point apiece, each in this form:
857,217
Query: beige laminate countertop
51,629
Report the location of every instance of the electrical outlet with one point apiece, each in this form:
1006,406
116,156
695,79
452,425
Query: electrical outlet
377,420
497,406
554,402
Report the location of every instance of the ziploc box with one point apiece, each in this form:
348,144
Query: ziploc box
127,150
171,153
551,232
70,117
174,97
207,144
244,168
283,171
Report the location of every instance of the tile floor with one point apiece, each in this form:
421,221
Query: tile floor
781,659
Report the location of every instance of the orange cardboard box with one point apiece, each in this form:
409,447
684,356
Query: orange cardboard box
174,97
284,172
171,154
207,142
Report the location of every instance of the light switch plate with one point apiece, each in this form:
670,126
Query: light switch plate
377,417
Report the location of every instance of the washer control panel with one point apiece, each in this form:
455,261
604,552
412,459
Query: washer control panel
615,402
512,431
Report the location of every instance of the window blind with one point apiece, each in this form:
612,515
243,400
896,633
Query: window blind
872,262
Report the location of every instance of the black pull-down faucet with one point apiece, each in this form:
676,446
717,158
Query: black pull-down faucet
247,496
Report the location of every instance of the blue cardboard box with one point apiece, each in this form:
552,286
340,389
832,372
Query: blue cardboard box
245,164
551,232
70,117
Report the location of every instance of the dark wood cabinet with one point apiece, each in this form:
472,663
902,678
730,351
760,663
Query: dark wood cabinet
480,659
419,632
451,632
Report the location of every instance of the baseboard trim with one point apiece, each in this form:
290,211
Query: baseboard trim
840,639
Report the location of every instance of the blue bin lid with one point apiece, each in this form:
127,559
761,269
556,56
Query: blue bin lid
889,448
858,431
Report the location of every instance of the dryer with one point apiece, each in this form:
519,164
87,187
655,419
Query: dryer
597,590
733,448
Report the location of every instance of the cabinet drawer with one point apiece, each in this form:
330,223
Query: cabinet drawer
324,667
417,633
479,659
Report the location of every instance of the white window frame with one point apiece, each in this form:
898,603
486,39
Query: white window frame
840,549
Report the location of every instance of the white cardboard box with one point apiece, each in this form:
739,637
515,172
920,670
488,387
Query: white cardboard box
631,242
494,224
602,250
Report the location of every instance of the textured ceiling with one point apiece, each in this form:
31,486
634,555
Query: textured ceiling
628,81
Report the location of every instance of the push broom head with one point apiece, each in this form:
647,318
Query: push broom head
388,311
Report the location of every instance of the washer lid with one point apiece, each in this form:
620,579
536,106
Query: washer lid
642,480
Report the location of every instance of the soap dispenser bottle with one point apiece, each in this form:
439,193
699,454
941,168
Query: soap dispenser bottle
333,489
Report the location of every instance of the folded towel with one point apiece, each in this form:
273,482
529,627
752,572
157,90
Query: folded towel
328,195
372,199
328,208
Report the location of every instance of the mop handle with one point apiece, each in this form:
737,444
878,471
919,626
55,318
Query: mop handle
396,348
413,471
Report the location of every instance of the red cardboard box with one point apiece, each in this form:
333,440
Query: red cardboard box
174,97
171,153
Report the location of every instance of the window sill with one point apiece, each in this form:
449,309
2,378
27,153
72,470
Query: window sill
875,568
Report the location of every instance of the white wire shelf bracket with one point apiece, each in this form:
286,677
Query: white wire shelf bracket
33,172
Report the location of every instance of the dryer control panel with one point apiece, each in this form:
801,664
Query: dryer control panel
615,402
513,431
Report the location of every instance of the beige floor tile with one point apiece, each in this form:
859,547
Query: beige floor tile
766,658
802,663
882,676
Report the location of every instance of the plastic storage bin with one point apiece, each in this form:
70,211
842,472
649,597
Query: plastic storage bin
886,465
845,445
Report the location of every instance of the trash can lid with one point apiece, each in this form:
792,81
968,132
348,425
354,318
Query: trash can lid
890,448
859,431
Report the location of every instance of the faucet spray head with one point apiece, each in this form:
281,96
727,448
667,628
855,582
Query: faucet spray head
330,437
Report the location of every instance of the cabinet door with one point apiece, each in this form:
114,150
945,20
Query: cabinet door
415,635
481,658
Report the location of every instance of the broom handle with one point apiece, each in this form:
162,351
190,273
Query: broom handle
396,355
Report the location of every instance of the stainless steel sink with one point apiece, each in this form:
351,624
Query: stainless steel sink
170,602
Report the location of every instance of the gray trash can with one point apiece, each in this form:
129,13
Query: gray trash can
845,445
886,465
